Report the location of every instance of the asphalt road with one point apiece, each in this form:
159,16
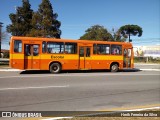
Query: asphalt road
78,91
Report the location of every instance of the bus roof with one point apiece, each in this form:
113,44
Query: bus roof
66,40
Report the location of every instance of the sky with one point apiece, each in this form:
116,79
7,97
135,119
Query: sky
78,15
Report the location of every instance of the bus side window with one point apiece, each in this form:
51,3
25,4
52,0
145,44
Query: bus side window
88,52
27,50
125,52
103,49
35,50
70,48
129,52
116,49
95,49
49,50
44,47
55,47
81,52
17,46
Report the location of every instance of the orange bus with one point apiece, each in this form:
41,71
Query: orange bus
31,53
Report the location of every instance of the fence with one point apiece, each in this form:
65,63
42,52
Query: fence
146,59
4,61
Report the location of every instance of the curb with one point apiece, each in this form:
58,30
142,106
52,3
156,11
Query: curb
10,70
16,70
145,64
150,69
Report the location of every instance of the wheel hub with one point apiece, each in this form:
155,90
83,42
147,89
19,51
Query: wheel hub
55,68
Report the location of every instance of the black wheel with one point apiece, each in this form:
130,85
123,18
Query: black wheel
55,68
114,68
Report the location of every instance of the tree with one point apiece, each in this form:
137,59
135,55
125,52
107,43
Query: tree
97,32
44,22
21,21
118,37
131,30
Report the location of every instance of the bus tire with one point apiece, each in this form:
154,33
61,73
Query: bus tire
55,68
114,67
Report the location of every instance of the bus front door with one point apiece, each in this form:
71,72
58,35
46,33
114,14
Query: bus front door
127,58
84,57
32,57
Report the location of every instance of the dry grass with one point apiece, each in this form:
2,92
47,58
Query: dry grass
3,65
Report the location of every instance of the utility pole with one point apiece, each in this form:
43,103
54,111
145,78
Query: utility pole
0,36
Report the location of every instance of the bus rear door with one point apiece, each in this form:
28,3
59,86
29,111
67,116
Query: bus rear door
127,57
32,56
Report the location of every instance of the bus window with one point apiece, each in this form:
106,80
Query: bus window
35,50
17,46
103,49
87,52
125,52
116,49
94,49
27,50
81,52
55,47
44,47
70,48
129,52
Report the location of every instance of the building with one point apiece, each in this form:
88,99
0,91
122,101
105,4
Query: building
3,51
147,51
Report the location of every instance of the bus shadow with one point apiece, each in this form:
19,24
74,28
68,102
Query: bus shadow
77,71
99,71
35,72
131,70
